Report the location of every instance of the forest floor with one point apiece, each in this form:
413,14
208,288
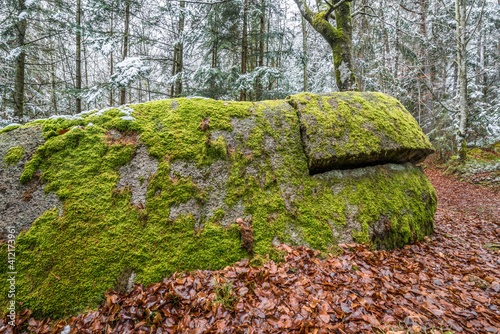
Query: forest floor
448,284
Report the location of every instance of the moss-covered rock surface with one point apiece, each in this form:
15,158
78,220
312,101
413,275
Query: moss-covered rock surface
346,130
194,183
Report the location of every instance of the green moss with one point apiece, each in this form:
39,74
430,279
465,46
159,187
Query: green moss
14,154
462,152
14,127
484,154
9,128
496,147
67,263
391,195
173,127
325,28
30,168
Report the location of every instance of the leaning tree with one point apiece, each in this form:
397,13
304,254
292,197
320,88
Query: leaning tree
334,22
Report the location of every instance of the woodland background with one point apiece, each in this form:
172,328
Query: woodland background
90,54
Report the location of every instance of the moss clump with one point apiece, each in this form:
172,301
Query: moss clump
14,127
482,166
484,154
9,128
172,127
14,154
496,147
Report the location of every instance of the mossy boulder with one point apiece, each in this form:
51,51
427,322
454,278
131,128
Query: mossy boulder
176,185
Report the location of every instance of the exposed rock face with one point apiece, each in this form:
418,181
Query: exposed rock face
313,170
135,175
21,204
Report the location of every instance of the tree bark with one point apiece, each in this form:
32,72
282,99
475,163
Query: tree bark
462,74
178,57
304,55
78,79
260,87
244,48
180,52
339,38
111,64
18,94
396,51
427,65
53,96
174,65
125,47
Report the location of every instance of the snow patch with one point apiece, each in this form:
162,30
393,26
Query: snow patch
129,70
23,16
345,73
29,3
14,53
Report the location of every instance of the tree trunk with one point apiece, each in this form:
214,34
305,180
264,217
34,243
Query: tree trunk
78,82
365,37
427,62
396,51
53,96
178,61
18,94
339,38
125,47
462,74
180,53
382,71
244,49
455,78
304,55
267,38
342,51
215,48
174,66
111,63
260,87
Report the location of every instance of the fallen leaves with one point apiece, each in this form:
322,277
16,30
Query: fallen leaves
473,200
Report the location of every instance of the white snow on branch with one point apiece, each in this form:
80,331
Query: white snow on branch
30,3
13,54
129,70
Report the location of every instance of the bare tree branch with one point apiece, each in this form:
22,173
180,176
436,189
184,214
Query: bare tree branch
477,24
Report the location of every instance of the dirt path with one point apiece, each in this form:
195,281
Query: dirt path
473,200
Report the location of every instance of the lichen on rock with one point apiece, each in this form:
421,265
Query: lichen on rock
162,193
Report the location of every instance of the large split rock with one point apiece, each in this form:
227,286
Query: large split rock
171,190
